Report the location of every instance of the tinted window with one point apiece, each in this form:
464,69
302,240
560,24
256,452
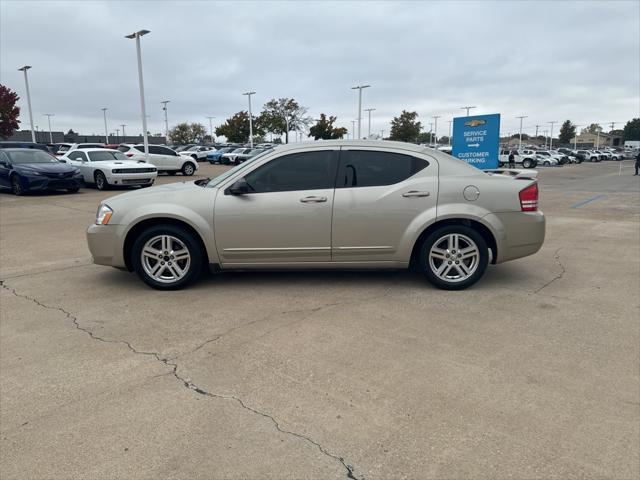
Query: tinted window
140,148
90,145
370,169
123,148
164,151
77,155
106,156
298,171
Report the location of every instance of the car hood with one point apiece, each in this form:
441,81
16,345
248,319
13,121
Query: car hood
44,168
121,164
157,194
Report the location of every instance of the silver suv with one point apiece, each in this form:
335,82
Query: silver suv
330,204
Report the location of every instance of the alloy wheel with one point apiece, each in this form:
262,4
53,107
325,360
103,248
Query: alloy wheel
454,257
165,258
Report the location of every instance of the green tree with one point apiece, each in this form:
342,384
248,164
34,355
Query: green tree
324,129
567,132
406,127
184,133
279,114
9,112
631,130
236,128
593,128
424,137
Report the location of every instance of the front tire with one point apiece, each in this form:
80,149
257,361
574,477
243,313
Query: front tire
454,257
101,181
167,257
188,169
16,186
527,163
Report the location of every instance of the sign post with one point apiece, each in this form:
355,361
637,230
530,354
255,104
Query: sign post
476,140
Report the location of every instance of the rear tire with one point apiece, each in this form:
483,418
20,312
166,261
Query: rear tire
447,245
526,163
154,253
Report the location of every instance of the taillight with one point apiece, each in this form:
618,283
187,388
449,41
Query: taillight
529,198
129,154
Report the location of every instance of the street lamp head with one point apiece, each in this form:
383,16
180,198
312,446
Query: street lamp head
104,109
137,34
25,68
360,86
249,93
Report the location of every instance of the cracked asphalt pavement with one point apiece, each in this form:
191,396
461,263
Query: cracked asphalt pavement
533,373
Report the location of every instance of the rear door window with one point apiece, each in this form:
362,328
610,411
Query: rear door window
364,168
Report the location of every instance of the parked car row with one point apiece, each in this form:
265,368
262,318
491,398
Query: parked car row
530,158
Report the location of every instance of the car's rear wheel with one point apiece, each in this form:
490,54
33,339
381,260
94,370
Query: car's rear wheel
16,186
167,257
188,169
454,257
101,181
526,163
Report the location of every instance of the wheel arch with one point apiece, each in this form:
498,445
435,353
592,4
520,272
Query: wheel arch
139,227
482,229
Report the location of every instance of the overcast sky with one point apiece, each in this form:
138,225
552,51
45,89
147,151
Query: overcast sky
548,60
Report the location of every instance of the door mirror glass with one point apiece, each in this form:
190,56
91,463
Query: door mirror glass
239,188
62,160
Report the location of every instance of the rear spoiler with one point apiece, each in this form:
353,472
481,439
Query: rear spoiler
515,173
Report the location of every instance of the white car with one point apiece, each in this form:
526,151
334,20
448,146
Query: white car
526,158
165,159
545,159
232,157
105,167
67,147
197,152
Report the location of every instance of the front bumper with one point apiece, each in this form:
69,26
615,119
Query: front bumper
106,244
42,183
520,234
131,178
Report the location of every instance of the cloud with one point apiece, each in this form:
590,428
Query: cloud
551,61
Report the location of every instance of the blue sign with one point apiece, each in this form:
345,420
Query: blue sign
476,140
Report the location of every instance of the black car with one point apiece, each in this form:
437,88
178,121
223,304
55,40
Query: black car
26,169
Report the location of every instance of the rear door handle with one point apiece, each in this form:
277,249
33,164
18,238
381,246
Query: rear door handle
415,193
313,199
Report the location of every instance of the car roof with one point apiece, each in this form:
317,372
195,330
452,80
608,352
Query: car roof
94,150
19,149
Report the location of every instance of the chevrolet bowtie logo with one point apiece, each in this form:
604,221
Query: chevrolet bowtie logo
474,123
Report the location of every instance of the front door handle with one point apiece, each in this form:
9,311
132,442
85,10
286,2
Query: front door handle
313,199
415,193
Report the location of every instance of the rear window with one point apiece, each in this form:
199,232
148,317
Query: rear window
123,148
363,168
107,155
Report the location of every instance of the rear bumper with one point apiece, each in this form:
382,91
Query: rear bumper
105,244
519,233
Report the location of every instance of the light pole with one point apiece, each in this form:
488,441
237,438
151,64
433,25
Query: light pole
537,126
520,135
353,129
117,135
598,140
137,36
166,120
248,94
124,135
382,134
106,132
430,133
286,135
49,115
575,137
369,128
467,109
211,127
435,134
544,132
450,122
26,84
551,135
359,88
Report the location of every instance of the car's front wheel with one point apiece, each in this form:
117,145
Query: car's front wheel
16,186
101,181
526,163
167,257
188,169
454,257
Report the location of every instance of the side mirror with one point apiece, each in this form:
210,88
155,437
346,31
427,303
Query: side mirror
239,188
62,160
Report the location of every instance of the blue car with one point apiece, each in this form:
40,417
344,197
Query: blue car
24,170
216,155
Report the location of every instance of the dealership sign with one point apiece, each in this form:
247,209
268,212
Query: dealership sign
476,140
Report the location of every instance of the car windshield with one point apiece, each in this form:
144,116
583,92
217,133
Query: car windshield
180,148
30,156
214,182
107,156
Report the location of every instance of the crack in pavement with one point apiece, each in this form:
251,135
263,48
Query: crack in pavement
187,383
563,270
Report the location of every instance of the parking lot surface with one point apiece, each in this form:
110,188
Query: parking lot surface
532,373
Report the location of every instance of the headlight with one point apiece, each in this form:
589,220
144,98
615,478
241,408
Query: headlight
104,215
